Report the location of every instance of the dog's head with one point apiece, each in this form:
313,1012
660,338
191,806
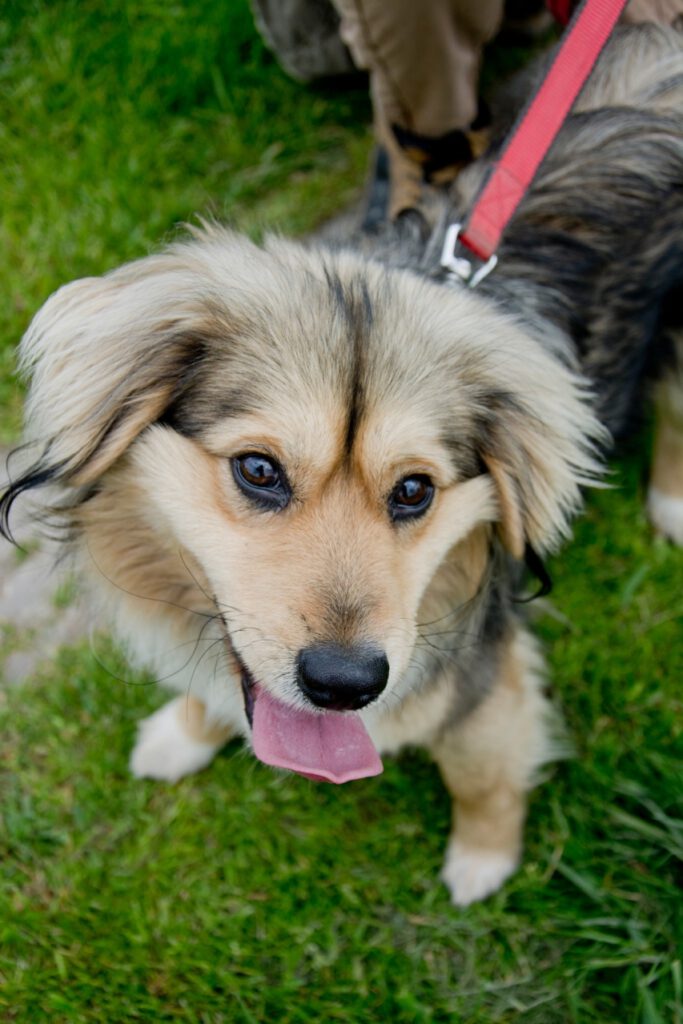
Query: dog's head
302,441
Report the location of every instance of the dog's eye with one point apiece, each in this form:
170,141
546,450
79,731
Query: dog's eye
411,497
262,479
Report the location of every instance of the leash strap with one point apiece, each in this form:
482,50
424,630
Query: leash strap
529,142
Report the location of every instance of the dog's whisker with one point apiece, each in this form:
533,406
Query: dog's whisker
146,597
216,643
199,586
194,642
459,610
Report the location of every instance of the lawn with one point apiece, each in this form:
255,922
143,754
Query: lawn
240,895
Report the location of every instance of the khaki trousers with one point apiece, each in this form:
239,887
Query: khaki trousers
424,57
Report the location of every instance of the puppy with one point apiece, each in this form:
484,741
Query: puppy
330,467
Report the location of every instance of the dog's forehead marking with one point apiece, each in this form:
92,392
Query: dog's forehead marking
403,404
390,441
353,374
352,300
366,410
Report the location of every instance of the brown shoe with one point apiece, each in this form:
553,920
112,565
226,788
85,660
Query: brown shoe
409,169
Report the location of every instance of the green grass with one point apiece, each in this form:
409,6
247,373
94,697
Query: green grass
120,121
240,895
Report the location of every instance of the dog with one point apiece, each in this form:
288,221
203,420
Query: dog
331,466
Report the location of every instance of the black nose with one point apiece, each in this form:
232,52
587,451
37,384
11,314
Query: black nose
341,678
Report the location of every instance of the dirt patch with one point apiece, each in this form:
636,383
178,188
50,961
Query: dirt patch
38,609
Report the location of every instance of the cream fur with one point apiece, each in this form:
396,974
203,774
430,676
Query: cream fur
149,384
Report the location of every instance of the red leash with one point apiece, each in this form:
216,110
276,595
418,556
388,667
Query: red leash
542,119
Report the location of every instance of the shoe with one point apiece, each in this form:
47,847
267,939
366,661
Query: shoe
408,170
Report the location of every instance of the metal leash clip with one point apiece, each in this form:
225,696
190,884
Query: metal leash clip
463,268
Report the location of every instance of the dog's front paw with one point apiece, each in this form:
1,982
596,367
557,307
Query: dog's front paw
471,874
164,750
666,514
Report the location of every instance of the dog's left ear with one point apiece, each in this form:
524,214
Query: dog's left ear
538,443
106,356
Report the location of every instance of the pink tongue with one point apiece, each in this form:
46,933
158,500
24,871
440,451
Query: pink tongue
329,747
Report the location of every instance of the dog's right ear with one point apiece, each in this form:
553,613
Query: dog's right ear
539,442
105,357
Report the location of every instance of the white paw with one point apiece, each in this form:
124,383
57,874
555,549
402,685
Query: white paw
472,874
164,750
666,514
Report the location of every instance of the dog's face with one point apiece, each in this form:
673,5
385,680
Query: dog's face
314,444
320,509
